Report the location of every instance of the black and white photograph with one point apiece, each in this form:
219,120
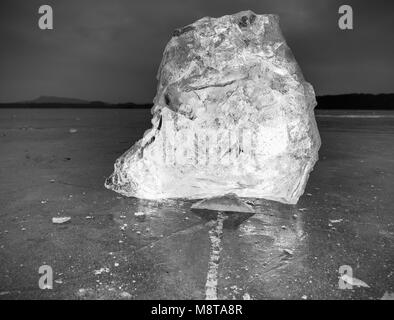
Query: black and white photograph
196,151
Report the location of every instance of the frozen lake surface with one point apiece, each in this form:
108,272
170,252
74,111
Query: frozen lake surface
345,217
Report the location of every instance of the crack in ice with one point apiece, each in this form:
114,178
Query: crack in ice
215,236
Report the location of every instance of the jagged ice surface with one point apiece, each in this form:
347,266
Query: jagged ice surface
232,113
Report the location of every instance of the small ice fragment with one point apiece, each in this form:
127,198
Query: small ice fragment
116,264
139,214
288,251
125,295
59,281
73,130
82,292
246,296
336,221
304,297
388,296
101,270
354,281
60,219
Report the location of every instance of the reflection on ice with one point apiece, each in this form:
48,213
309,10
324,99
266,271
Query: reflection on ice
279,225
269,242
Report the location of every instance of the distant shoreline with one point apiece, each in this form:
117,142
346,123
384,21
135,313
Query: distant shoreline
72,106
328,102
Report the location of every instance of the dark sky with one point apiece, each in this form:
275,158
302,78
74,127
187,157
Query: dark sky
111,50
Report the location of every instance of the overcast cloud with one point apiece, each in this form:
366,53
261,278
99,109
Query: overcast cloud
111,50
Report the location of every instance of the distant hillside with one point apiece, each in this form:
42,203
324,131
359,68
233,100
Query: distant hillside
62,102
344,101
56,100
